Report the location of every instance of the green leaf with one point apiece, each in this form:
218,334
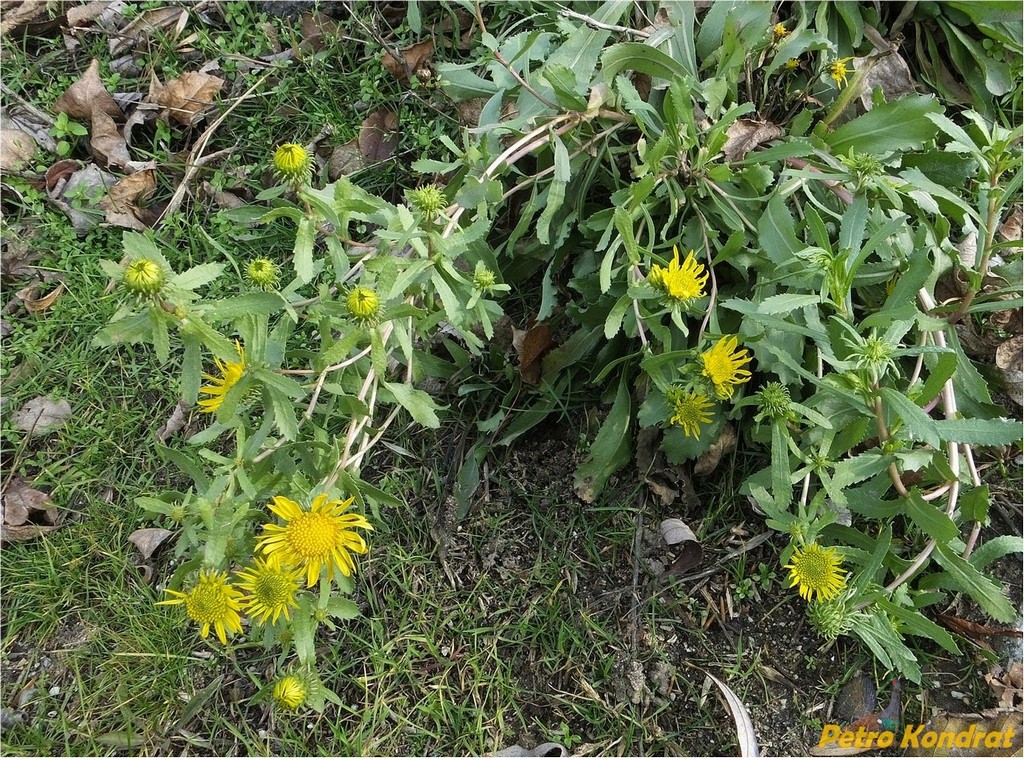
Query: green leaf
786,303
976,431
197,276
875,630
782,489
974,504
611,450
613,323
263,303
858,468
304,631
420,405
938,375
644,59
995,549
305,235
130,329
894,126
918,423
342,608
969,579
191,370
284,413
283,384
929,517
563,82
914,622
776,231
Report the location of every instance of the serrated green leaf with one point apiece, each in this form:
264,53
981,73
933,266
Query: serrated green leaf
914,622
976,431
969,579
929,517
786,303
996,548
130,329
420,405
283,384
636,56
284,413
613,323
917,422
262,303
305,236
197,276
611,450
342,608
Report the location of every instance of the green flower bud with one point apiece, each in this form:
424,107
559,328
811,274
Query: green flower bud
292,162
262,273
429,200
290,692
143,276
363,305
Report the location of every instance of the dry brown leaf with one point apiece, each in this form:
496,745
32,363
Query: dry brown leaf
1011,228
531,345
35,305
175,423
187,96
1010,361
17,253
16,149
142,27
345,160
79,15
469,110
677,532
413,59
17,14
22,503
890,72
317,30
42,415
378,136
87,95
148,540
709,461
121,202
107,142
745,134
975,631
88,185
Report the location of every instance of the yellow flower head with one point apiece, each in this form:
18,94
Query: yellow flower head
838,72
689,410
290,692
680,282
291,161
722,364
143,276
218,387
321,536
212,602
270,590
792,64
363,304
779,33
262,273
816,569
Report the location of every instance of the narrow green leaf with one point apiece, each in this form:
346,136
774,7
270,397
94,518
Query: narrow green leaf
914,622
197,276
786,303
611,450
968,579
305,236
918,423
644,59
976,431
894,126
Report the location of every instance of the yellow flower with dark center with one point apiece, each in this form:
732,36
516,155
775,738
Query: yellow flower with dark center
290,692
689,410
779,33
838,72
680,282
723,365
270,590
312,539
363,304
212,602
292,161
143,276
815,569
218,387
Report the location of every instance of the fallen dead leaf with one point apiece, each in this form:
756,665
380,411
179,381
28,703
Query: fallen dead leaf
107,143
745,134
145,24
676,532
35,305
1010,361
89,187
890,72
121,202
709,461
80,15
317,30
187,96
175,423
42,415
553,749
412,60
148,540
378,136
974,631
17,253
16,149
666,482
531,345
345,160
87,95
1011,229
22,501
469,110
17,14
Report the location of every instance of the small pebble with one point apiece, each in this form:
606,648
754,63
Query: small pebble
262,734
55,690
51,714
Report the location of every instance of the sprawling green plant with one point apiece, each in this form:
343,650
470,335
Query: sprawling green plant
726,240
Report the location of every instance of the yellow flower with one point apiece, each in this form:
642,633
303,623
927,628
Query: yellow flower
363,304
779,33
321,536
838,72
292,161
143,276
270,590
290,692
792,63
722,365
689,410
815,569
230,373
211,602
680,282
